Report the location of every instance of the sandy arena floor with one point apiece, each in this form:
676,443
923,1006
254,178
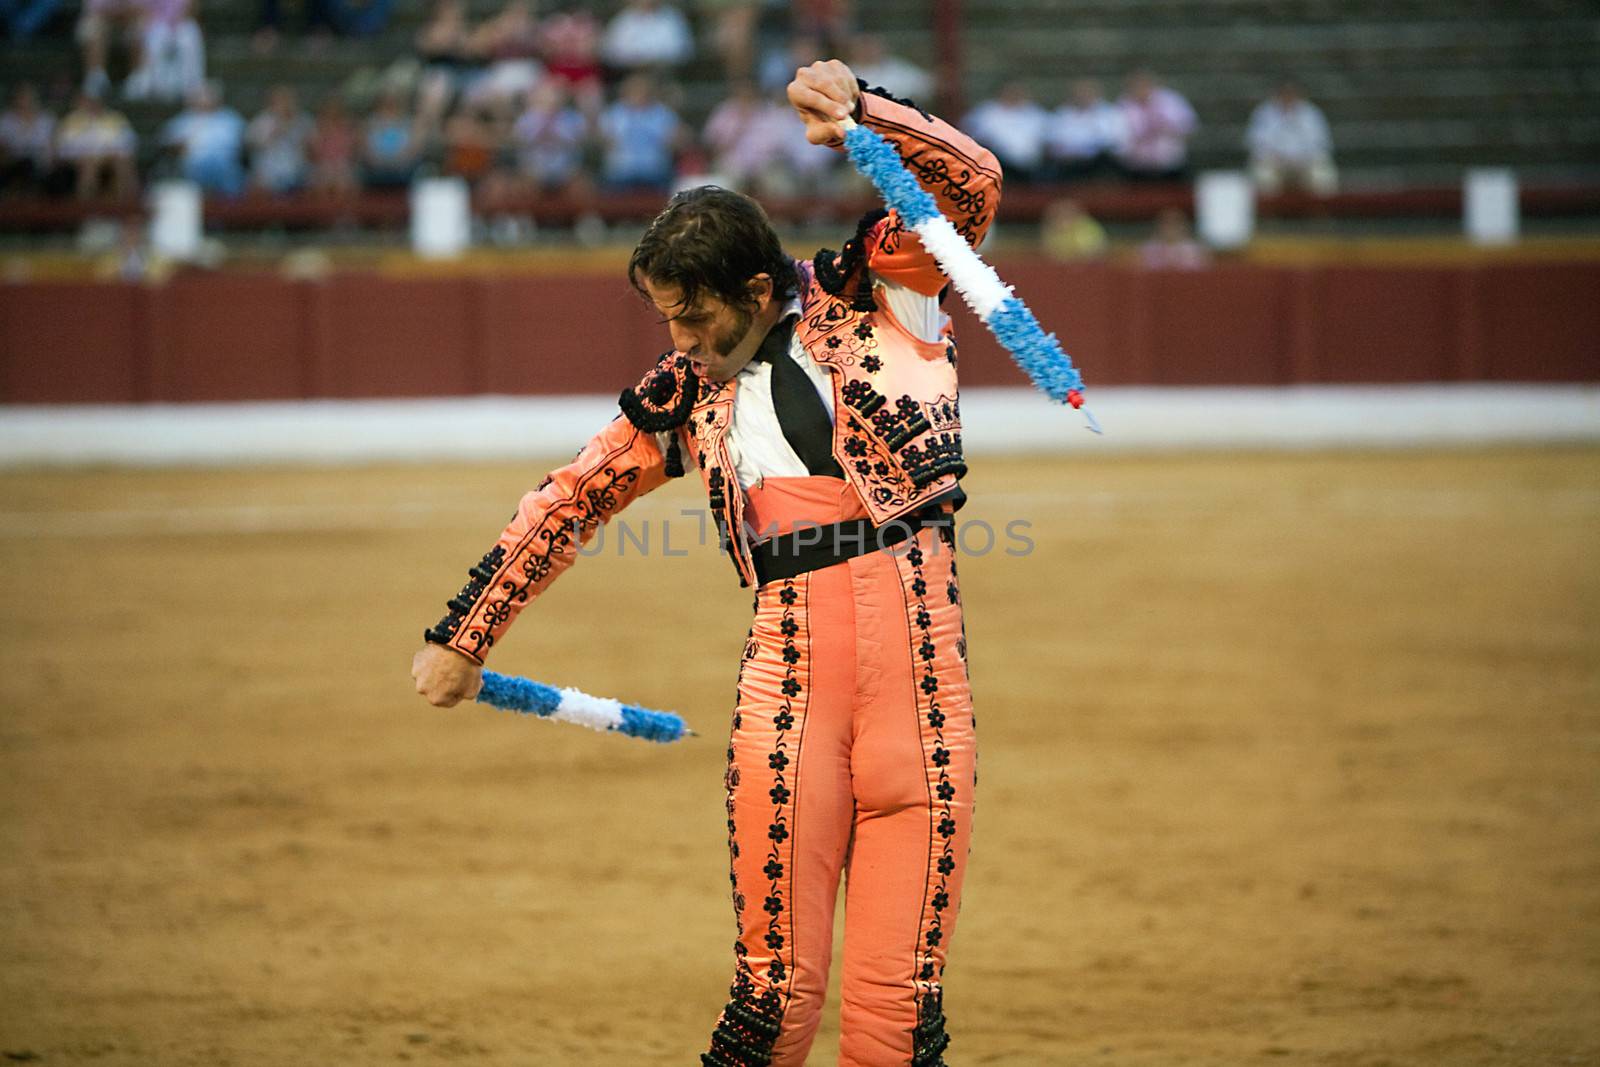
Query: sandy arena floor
1285,760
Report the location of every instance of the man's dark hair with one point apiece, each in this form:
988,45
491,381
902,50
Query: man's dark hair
712,240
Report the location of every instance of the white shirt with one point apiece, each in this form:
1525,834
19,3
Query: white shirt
1085,132
636,38
1015,133
755,438
1296,134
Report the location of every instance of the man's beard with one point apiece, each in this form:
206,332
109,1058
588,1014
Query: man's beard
724,343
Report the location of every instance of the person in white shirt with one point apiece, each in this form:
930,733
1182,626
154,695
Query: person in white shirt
647,34
1085,133
27,141
1290,145
876,65
1012,125
280,140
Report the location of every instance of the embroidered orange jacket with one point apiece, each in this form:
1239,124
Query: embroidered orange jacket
897,416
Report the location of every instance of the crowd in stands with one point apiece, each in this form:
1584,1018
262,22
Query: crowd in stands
518,104
1144,136
528,103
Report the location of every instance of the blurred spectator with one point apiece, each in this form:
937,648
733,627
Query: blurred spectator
1159,124
97,29
646,34
27,150
392,145
733,35
1290,145
333,151
808,169
444,47
172,54
24,18
472,140
759,146
828,21
874,64
1012,126
548,140
128,260
571,38
640,136
1068,232
509,42
210,141
1172,247
1085,134
323,19
98,144
280,140
746,137
778,64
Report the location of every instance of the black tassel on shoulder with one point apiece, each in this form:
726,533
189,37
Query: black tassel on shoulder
843,274
674,463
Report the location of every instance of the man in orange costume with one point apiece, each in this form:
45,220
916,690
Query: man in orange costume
818,401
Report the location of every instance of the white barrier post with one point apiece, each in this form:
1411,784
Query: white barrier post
1490,208
176,220
1225,208
441,217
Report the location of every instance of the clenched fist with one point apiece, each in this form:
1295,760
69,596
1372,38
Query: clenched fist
444,676
823,94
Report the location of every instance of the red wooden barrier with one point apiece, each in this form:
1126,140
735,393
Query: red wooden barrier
262,337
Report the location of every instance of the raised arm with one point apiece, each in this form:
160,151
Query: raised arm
962,175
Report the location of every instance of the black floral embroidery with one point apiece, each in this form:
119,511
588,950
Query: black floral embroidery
871,363
907,422
478,579
597,495
862,397
938,455
781,795
929,1038
751,1021
955,187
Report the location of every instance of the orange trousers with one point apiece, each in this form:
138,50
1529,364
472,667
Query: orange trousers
852,751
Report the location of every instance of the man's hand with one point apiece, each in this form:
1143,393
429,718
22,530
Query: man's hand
823,94
444,676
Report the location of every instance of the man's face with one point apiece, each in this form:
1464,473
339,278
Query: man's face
716,336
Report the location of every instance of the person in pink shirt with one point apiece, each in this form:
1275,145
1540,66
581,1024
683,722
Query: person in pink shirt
334,144
1159,123
744,136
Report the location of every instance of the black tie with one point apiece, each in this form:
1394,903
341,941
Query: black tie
799,406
